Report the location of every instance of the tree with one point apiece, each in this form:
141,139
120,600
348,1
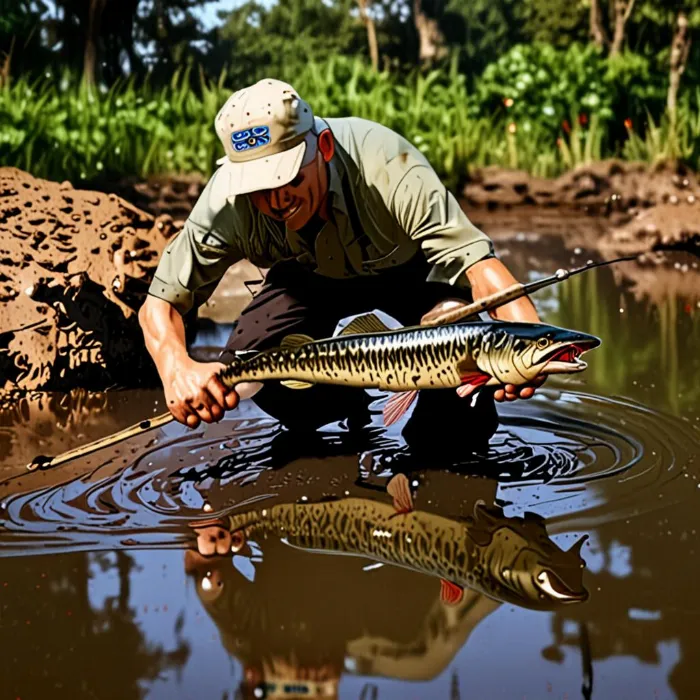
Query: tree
20,37
368,21
623,11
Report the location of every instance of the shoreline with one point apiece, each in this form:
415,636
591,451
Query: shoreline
76,264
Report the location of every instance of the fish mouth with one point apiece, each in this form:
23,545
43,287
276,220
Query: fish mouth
550,584
567,357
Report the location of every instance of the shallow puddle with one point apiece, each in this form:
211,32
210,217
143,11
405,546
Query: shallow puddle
203,563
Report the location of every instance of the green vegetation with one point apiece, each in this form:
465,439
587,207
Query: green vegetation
103,90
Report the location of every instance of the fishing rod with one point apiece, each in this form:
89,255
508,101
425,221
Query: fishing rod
487,303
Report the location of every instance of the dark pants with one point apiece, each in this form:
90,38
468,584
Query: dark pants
296,300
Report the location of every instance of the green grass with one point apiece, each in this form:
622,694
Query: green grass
55,128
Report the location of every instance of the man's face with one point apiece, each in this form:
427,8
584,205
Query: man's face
297,202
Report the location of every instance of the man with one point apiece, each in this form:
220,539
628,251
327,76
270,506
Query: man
349,217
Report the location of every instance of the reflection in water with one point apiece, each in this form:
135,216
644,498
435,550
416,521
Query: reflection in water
56,642
300,635
510,559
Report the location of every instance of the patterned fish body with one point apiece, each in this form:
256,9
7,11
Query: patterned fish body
415,358
508,559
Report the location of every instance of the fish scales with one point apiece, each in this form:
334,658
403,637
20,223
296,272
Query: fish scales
366,529
432,358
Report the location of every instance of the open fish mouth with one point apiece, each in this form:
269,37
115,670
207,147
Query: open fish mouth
551,585
567,357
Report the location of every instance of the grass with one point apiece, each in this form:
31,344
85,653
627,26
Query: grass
57,129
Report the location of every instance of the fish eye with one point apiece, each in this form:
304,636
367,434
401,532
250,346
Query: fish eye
542,343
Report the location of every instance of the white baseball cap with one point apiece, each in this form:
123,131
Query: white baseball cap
263,129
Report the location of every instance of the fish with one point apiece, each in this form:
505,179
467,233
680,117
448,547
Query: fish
509,559
462,356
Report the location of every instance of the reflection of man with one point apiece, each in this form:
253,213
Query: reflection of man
330,616
350,217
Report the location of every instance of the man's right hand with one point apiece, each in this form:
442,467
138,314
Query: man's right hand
194,393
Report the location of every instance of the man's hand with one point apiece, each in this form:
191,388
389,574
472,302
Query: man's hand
194,393
525,391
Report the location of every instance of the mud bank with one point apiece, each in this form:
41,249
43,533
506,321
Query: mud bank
74,268
622,208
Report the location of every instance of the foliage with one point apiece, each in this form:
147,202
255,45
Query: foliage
556,22
539,83
55,128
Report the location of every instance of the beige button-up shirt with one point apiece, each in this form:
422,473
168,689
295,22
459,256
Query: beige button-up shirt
386,203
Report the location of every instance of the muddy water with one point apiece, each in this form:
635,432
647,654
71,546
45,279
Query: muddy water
110,586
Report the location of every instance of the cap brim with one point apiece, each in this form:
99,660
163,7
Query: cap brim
264,173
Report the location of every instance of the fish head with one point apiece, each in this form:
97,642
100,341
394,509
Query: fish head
524,567
518,353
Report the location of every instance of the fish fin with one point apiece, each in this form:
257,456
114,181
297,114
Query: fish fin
295,340
450,593
367,323
399,489
296,384
472,381
397,405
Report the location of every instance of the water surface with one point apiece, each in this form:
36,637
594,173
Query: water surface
104,593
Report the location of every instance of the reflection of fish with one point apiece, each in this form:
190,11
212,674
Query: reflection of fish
508,559
463,356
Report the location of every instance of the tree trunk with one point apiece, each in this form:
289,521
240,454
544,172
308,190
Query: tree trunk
431,41
371,34
91,38
623,10
680,48
597,31
6,63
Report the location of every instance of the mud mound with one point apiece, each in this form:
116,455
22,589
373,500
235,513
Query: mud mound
606,188
74,268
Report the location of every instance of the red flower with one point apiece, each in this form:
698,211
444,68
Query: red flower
583,119
628,123
566,126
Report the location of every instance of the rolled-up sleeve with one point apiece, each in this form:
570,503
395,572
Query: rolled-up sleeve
431,215
194,262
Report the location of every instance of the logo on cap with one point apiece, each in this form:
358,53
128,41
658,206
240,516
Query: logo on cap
250,138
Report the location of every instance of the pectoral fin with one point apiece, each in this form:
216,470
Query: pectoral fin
397,405
368,323
450,593
472,381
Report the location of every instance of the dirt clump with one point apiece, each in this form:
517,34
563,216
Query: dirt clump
74,268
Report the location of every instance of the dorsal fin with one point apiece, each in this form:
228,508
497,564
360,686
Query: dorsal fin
295,340
367,323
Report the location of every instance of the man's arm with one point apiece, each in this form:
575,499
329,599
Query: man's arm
487,277
193,392
189,269
461,254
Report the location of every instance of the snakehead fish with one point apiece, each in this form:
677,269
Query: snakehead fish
508,559
464,356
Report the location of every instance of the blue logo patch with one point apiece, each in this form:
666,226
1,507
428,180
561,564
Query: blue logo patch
250,138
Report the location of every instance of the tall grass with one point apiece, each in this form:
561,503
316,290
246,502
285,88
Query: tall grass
57,129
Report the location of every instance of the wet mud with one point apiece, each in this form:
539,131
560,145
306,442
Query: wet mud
238,559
